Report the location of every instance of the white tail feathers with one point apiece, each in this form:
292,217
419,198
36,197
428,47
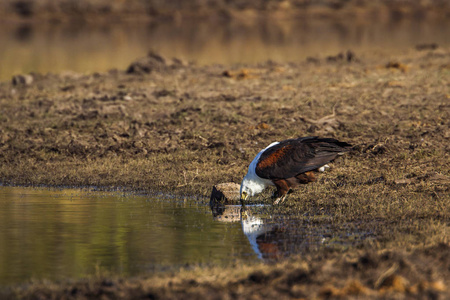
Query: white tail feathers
323,168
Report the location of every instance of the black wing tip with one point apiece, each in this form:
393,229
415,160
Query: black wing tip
316,139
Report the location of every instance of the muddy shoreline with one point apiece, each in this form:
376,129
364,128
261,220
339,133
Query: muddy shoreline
168,125
389,274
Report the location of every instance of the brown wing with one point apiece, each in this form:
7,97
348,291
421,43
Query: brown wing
292,157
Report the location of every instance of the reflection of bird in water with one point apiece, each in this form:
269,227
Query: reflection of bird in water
274,236
289,163
271,237
255,229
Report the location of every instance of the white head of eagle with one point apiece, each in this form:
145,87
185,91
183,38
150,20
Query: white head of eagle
289,163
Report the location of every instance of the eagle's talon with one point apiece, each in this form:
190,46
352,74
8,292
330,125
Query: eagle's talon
279,200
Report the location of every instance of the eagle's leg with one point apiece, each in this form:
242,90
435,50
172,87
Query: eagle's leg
305,178
282,190
279,200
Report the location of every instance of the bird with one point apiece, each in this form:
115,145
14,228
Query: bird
289,163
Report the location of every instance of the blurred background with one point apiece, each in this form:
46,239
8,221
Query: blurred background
97,35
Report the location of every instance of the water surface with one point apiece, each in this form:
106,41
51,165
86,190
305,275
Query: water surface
87,48
66,233
70,233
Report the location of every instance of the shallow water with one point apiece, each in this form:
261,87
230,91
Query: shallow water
70,233
87,48
51,233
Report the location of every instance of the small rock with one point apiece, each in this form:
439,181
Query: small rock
154,62
313,60
405,181
348,56
226,213
337,57
22,79
397,65
240,74
430,46
225,193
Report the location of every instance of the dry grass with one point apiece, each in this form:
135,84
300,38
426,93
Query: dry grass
374,275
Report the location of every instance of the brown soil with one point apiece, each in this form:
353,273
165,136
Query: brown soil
420,274
165,125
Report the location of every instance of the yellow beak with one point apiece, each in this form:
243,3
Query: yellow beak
244,214
244,196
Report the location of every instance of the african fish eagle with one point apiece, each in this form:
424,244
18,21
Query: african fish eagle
289,163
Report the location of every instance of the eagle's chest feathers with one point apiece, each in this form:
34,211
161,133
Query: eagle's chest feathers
253,181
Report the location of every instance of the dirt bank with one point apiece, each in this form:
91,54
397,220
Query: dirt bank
165,124
419,274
